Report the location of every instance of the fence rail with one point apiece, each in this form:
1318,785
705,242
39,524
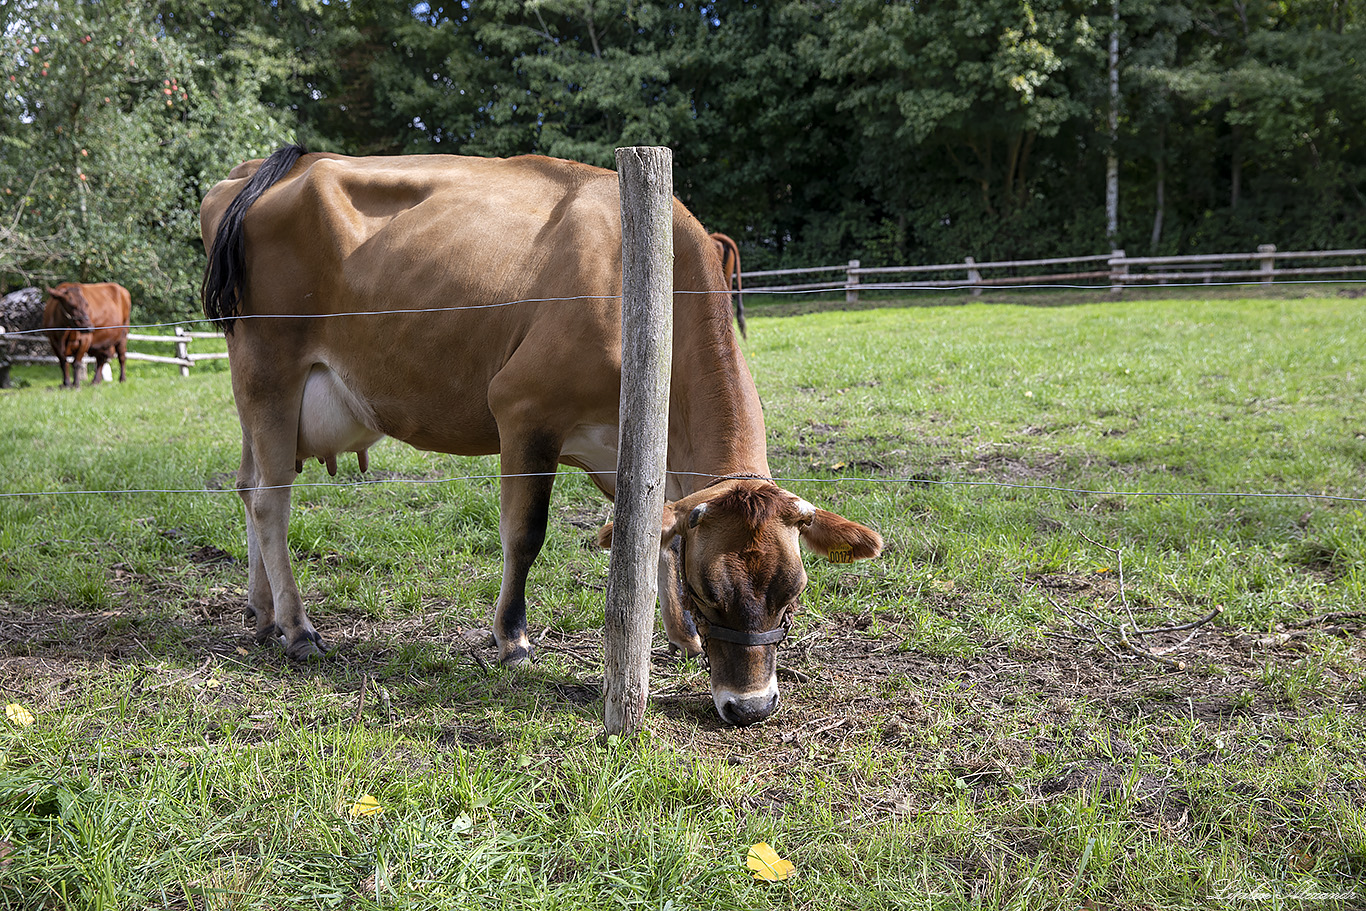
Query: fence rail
182,340
1120,271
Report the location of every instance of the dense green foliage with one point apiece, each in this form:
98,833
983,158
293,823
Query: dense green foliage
811,131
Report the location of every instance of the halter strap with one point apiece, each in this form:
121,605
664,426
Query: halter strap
724,633
742,476
772,637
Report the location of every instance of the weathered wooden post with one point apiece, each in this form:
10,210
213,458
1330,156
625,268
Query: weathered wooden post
1267,254
851,283
974,277
4,360
182,349
645,176
1119,270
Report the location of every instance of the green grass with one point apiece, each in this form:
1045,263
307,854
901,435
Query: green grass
941,743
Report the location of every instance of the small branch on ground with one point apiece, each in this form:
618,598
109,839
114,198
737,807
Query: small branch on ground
1126,635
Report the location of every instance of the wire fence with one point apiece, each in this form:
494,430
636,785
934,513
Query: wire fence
183,336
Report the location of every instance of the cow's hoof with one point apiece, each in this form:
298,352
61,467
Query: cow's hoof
517,656
690,649
308,647
270,635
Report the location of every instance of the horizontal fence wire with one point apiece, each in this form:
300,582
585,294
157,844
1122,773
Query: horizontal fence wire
363,482
846,479
870,286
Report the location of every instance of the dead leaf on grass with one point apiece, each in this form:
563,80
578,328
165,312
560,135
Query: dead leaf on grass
766,863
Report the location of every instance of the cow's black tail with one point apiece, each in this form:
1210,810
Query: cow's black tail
224,275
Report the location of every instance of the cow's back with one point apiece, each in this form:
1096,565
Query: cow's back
465,264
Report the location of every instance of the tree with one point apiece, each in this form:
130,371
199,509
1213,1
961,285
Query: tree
115,129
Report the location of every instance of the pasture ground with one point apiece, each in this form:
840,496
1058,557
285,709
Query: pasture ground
968,722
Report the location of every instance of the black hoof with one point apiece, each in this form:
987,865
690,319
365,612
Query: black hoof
308,647
517,656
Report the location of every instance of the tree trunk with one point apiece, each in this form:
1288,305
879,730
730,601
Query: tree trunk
1236,167
1161,187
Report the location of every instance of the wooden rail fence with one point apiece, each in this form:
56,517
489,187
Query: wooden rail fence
182,340
1114,271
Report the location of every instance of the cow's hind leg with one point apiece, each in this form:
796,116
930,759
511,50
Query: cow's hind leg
260,602
101,358
528,476
272,593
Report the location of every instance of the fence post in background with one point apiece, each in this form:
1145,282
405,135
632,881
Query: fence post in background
645,176
4,361
851,284
182,349
1119,268
1267,254
974,277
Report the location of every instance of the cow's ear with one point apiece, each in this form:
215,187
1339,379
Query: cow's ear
838,539
670,526
52,291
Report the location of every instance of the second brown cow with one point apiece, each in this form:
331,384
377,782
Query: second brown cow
91,319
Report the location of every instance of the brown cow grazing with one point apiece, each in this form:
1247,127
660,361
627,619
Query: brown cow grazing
88,319
341,280
729,251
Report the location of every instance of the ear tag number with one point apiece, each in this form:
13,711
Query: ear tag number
840,553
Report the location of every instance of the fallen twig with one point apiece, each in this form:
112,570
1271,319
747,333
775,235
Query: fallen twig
1333,617
1127,634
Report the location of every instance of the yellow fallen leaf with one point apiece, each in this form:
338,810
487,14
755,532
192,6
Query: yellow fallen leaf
766,863
18,714
366,806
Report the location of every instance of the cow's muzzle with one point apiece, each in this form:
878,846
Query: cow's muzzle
742,710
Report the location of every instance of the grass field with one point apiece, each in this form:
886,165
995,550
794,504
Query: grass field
995,714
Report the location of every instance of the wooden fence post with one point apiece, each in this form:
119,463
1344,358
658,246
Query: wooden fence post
1267,254
851,285
974,277
182,349
1118,270
645,176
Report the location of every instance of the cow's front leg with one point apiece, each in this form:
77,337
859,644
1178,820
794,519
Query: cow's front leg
678,623
82,347
528,476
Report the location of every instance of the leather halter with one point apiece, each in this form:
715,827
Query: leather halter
714,631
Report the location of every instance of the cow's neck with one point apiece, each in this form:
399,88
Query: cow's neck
716,425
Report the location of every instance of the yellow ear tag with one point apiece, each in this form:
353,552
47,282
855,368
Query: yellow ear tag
766,863
840,553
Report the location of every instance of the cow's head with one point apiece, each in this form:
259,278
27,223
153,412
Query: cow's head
73,306
741,574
